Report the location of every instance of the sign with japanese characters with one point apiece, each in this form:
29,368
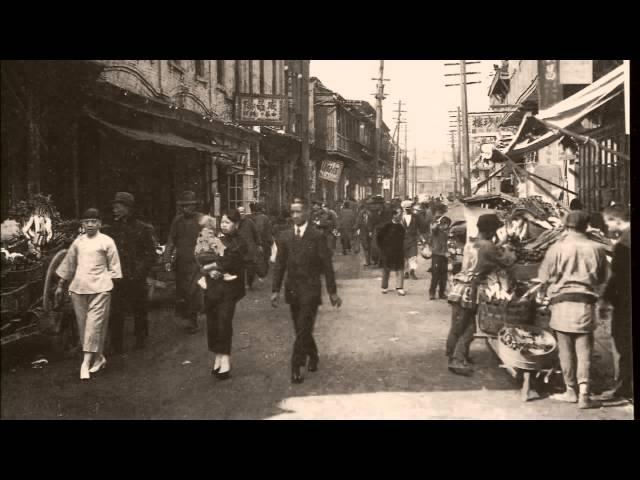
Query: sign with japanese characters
484,124
330,171
260,110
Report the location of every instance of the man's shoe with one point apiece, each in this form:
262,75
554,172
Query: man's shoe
569,396
296,376
366,265
401,292
312,365
585,402
460,368
442,297
384,290
432,296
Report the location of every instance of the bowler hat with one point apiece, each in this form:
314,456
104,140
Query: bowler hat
578,219
125,198
91,213
187,198
489,222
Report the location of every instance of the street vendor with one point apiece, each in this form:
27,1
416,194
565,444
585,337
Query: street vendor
481,257
573,271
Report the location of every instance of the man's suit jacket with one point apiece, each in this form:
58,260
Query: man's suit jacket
304,261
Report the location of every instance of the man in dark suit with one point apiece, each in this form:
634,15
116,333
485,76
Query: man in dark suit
304,255
136,245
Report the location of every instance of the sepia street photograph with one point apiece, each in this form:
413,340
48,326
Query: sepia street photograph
316,240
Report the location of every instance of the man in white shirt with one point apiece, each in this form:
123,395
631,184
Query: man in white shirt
91,264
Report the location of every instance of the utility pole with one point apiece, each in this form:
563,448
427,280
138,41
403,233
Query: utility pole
405,162
415,172
380,96
396,162
464,131
308,182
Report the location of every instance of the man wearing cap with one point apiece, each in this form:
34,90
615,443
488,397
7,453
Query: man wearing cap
574,271
414,233
439,239
183,235
364,228
480,258
136,245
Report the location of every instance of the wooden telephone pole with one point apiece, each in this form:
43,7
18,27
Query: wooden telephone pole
464,138
396,162
380,96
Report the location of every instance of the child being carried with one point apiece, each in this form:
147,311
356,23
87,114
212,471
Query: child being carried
209,243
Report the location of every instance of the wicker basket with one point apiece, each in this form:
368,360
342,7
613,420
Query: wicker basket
528,361
491,317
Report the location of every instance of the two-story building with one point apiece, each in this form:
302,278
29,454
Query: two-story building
344,146
525,87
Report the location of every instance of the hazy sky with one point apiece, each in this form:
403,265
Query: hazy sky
418,83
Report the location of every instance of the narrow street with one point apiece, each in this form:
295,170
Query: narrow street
381,357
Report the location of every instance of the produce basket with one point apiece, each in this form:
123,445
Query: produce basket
492,317
527,347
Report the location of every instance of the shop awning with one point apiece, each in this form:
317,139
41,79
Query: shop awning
168,139
566,113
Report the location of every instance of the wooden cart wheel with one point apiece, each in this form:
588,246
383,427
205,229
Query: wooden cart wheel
67,340
50,280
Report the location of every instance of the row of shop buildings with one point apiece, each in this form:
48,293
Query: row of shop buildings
233,131
562,121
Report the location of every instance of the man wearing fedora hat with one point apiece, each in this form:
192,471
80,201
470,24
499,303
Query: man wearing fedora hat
136,244
183,235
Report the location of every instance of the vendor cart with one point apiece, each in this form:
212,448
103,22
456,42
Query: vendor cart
492,321
28,307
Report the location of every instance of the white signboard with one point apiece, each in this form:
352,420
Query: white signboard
576,72
386,184
331,171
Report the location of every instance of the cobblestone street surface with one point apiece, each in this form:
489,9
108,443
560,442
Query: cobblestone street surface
381,357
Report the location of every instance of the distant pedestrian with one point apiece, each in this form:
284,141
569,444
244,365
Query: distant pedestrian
90,265
365,229
346,227
390,239
573,271
439,253
181,243
249,233
414,234
265,237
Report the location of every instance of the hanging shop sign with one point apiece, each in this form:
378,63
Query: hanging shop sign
386,184
261,110
331,170
549,86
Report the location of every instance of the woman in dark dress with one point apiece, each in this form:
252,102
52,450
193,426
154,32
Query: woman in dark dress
223,269
390,239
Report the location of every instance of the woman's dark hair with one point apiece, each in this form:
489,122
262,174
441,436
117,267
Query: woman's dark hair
232,214
575,204
518,215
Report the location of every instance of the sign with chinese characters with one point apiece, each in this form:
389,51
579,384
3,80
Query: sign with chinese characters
330,171
386,184
549,87
260,110
576,72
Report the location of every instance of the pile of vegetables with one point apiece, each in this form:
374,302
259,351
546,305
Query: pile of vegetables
525,341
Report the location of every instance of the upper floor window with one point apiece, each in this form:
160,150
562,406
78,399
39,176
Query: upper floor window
220,71
199,68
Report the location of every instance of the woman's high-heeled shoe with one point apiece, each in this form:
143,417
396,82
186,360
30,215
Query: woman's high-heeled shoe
99,365
214,371
84,372
223,375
